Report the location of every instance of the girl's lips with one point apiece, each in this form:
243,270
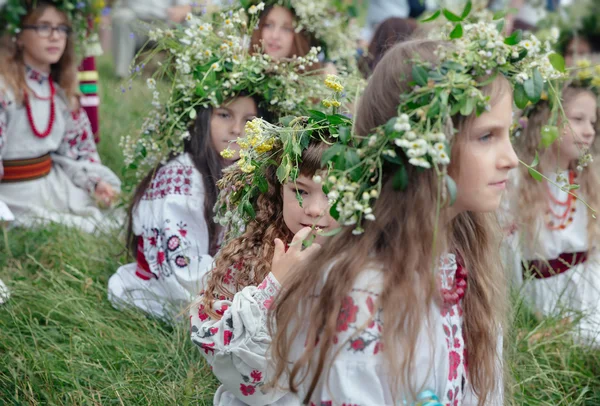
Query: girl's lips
500,185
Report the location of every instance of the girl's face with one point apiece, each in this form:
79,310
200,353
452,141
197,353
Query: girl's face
314,210
484,158
580,131
227,123
278,33
44,41
577,48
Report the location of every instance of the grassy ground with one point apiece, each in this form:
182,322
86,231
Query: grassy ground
61,342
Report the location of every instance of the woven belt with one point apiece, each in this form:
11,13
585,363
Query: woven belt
545,269
21,170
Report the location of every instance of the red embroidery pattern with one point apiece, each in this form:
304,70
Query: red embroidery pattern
452,319
166,249
78,143
174,179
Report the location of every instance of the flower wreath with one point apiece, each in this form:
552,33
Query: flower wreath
207,63
584,76
417,135
79,12
329,23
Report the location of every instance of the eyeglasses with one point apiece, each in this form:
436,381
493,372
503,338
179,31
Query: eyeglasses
45,30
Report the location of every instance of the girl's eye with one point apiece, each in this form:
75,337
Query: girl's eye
486,137
223,115
301,192
288,29
578,119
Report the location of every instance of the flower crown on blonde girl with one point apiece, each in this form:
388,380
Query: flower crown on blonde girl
472,55
584,75
79,13
208,63
328,21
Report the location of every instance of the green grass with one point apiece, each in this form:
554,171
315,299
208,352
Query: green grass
62,343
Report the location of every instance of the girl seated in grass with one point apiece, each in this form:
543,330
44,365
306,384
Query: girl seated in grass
49,167
555,236
228,319
171,231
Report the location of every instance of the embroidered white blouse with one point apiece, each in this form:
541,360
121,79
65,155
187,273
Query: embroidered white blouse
173,244
65,194
237,348
577,289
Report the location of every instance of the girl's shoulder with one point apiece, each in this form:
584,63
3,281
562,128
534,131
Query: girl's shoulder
177,178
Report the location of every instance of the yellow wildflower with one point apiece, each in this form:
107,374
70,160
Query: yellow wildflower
332,82
583,63
326,103
584,74
596,81
227,153
248,168
265,146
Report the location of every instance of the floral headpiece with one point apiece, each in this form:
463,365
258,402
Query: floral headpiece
79,13
244,181
478,52
329,24
208,63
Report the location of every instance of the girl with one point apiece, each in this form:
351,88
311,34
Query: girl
393,330
277,35
557,253
434,321
228,318
287,29
52,171
171,230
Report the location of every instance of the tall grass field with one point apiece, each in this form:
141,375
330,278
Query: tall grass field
62,343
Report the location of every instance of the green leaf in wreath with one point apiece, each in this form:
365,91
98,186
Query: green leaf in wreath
520,97
557,61
467,10
457,32
317,115
432,17
549,135
450,16
334,211
452,189
331,152
419,75
400,180
283,171
344,133
262,184
534,86
468,106
515,38
536,161
535,174
248,209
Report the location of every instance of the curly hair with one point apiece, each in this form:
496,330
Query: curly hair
251,253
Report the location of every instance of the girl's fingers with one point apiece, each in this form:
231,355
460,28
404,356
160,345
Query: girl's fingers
300,236
279,250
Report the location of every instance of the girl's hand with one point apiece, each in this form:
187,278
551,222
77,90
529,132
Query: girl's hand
105,194
284,261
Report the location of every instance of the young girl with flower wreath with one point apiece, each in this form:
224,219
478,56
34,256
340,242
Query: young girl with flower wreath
228,318
406,304
171,230
286,29
554,233
51,169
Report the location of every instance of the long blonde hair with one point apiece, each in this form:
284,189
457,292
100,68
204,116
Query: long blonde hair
12,66
246,260
401,238
532,198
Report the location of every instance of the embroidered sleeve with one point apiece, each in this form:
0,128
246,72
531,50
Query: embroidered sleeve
78,156
175,235
236,345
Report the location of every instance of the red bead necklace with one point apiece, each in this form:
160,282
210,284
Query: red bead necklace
48,130
453,295
561,221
